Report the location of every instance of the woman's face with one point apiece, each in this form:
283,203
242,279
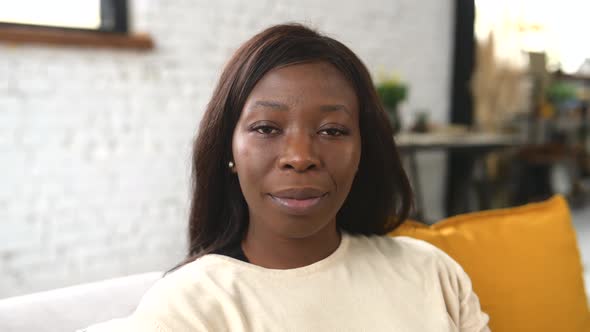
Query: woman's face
297,148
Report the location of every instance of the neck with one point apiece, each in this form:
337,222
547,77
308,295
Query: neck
274,251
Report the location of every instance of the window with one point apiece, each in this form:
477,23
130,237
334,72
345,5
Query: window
83,23
557,28
94,15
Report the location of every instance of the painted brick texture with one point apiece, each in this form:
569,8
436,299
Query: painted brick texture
95,144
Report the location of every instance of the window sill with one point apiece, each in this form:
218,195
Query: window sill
27,35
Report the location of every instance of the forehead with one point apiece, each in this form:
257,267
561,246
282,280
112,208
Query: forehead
307,83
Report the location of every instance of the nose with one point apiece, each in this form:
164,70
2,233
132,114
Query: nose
299,154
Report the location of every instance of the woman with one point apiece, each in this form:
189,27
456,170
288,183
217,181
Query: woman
296,182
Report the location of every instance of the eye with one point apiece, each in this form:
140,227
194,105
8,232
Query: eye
266,130
333,132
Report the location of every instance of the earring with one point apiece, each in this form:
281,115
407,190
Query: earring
231,164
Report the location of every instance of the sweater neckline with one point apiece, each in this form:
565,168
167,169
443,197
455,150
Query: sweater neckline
304,270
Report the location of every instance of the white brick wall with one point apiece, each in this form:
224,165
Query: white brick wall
95,144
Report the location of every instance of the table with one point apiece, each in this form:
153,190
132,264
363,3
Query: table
474,145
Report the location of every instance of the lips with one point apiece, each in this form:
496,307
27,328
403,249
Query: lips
298,200
299,193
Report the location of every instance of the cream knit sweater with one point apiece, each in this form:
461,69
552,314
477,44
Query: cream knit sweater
375,283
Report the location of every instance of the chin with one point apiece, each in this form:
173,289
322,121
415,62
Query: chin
301,226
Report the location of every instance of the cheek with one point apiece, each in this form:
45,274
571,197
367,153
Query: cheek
344,163
252,159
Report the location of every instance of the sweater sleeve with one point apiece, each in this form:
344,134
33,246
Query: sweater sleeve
462,303
171,305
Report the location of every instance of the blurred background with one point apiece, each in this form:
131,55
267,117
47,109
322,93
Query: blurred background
100,101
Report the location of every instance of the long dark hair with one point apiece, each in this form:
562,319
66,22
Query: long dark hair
380,197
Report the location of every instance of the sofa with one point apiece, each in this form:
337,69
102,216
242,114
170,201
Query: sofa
524,264
72,308
505,290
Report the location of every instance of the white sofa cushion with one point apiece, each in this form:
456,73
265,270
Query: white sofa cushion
76,307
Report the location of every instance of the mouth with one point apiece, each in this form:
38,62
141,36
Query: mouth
298,201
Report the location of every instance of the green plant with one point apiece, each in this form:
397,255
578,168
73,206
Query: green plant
391,92
560,92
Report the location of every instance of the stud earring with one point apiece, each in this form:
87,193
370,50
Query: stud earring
231,164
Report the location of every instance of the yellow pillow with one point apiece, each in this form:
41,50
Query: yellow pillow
524,263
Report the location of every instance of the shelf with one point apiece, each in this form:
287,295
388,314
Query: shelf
64,37
574,77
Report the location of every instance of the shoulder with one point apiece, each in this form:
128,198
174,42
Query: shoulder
424,249
438,270
404,249
424,260
187,297
408,244
185,280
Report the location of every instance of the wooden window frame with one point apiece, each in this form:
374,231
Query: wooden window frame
113,32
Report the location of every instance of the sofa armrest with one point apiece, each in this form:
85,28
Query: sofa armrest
72,308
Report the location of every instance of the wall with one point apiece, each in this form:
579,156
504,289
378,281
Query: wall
95,144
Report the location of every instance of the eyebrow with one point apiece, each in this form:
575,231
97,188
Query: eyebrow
275,105
336,107
271,104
